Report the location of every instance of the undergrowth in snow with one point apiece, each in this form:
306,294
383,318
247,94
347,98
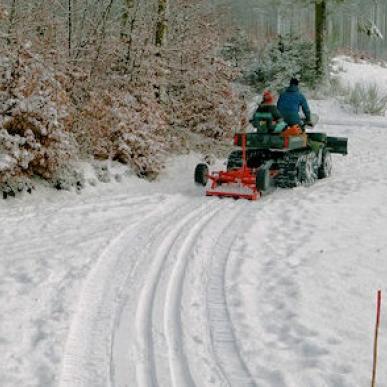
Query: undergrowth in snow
35,121
45,127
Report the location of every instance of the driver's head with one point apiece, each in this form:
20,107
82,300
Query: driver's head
294,82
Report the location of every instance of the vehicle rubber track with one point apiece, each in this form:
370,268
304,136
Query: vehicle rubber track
292,169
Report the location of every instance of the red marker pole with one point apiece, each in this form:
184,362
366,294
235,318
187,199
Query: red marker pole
379,302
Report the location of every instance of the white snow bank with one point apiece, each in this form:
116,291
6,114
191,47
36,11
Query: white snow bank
331,113
351,72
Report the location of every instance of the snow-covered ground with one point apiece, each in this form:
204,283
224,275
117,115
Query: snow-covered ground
361,72
153,284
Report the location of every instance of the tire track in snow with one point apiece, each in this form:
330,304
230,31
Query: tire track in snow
223,340
180,373
147,238
145,365
87,352
205,363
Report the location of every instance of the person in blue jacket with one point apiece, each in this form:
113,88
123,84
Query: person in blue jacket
290,102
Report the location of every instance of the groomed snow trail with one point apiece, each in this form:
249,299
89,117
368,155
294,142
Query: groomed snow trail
180,371
163,287
89,338
223,339
145,368
223,300
161,352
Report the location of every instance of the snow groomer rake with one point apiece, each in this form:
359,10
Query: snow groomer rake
237,183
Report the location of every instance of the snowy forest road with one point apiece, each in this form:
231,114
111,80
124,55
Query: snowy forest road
165,287
151,259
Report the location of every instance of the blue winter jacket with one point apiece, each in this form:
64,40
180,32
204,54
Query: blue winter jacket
289,104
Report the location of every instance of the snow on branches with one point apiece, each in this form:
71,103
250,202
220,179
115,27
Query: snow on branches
207,104
3,12
113,93
200,86
126,126
34,121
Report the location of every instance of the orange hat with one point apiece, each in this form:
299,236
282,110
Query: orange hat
268,97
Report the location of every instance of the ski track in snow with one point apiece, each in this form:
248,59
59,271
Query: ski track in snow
88,348
145,367
181,375
52,253
161,295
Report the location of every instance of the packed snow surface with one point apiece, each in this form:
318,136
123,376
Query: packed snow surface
154,284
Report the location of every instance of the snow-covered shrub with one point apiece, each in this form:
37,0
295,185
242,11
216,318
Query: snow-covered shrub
285,57
130,128
331,87
203,106
34,121
207,104
103,173
67,178
111,95
366,98
180,98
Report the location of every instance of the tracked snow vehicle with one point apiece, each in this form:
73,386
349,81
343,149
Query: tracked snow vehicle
276,155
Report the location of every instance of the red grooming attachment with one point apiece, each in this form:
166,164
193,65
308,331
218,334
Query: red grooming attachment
237,183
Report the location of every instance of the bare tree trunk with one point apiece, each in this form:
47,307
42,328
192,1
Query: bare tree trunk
129,19
129,5
70,26
103,32
12,22
321,35
80,38
160,39
162,23
354,24
96,25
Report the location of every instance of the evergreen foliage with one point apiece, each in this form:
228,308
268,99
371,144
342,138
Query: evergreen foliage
285,57
238,50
